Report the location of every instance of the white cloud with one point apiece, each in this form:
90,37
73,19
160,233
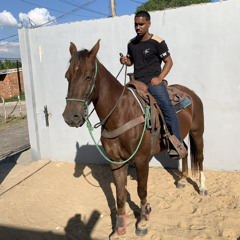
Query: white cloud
7,20
35,17
9,50
38,16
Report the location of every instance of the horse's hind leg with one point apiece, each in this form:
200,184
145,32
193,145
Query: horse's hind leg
182,182
202,188
196,140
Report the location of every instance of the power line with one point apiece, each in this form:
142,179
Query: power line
137,1
75,1
8,37
87,9
37,5
74,10
3,44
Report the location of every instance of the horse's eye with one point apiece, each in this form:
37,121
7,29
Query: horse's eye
88,78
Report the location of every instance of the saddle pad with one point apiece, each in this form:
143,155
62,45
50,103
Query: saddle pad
180,106
140,104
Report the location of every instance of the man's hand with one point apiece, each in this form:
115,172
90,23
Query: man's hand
155,81
166,68
123,60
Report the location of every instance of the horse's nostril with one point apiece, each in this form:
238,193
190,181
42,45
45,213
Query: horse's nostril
76,118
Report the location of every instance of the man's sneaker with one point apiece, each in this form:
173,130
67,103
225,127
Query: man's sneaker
173,154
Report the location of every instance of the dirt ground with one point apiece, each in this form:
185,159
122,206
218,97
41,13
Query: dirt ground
13,139
12,114
68,201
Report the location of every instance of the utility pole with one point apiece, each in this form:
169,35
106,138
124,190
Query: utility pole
113,7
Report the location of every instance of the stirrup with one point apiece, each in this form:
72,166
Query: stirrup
177,149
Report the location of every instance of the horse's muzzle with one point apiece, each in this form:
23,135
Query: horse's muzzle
73,119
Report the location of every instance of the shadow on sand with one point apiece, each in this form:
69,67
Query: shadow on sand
75,229
7,164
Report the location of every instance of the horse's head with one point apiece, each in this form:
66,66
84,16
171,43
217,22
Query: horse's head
81,76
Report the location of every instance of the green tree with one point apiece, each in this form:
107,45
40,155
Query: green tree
153,5
8,64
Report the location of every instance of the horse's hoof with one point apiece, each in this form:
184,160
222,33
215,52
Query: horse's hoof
115,236
142,227
121,224
203,192
141,231
180,185
121,231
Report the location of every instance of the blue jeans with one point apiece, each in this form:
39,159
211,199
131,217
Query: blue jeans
161,95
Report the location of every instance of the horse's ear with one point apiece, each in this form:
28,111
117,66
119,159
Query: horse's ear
94,50
72,48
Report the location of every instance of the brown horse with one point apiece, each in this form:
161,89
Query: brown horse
89,81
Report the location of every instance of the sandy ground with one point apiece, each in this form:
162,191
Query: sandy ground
68,201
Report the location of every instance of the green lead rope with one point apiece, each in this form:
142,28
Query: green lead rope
90,129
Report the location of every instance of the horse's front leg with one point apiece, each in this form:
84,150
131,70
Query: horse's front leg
120,177
142,167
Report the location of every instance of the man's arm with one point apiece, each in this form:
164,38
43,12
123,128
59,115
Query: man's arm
168,63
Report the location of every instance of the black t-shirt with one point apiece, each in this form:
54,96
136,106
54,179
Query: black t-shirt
147,57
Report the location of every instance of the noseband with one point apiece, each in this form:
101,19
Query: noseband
85,101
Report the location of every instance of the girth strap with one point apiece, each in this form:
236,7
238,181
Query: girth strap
123,128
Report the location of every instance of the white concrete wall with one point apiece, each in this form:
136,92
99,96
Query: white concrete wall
204,44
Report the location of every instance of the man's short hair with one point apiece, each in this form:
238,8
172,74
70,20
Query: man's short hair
143,14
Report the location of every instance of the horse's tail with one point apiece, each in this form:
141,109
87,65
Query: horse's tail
194,163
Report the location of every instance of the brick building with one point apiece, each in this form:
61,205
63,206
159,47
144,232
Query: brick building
9,83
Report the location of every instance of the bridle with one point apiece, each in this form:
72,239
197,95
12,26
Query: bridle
85,101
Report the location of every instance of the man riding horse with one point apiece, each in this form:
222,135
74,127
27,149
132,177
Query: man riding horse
147,51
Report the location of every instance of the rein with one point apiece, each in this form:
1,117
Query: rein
89,126
101,123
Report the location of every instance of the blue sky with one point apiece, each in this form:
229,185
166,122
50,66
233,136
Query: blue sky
26,13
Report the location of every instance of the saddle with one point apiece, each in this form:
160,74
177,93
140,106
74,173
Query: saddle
175,95
157,123
179,101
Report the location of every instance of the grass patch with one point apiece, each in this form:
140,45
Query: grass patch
11,121
14,99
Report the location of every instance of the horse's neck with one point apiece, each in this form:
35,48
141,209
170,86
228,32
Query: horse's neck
109,91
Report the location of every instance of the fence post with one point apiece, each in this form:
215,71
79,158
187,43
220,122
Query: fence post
20,108
19,80
4,108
